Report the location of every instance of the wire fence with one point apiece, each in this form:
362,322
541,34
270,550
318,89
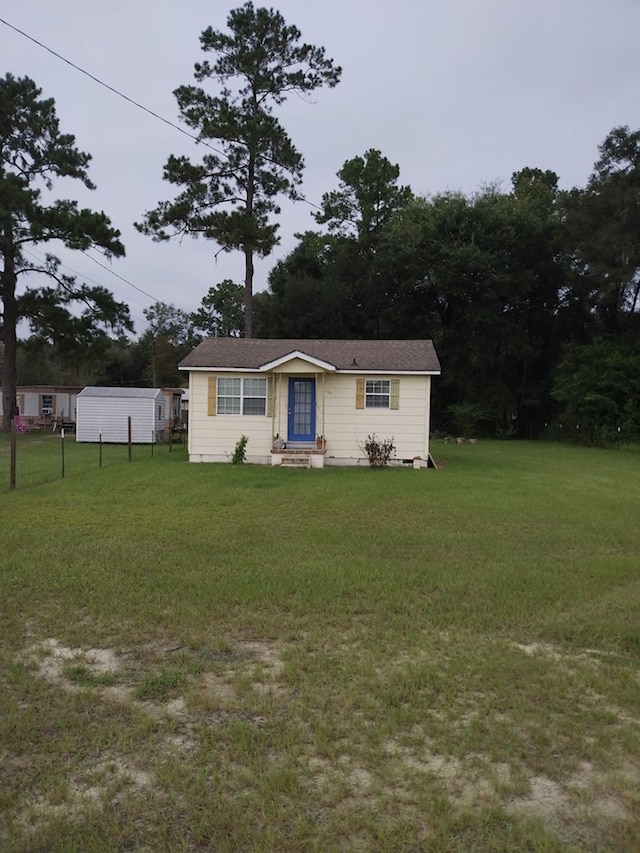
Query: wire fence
35,458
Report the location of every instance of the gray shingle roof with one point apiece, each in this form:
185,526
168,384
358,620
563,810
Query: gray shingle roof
253,353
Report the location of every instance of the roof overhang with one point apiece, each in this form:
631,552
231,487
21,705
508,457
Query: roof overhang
317,363
303,356
330,368
355,372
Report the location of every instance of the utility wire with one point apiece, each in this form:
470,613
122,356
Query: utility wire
144,109
120,94
31,252
35,253
122,278
111,88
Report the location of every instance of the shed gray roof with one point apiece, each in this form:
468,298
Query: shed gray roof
139,393
254,353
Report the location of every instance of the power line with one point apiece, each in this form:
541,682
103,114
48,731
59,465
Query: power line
197,140
135,103
42,258
37,256
111,88
155,299
122,278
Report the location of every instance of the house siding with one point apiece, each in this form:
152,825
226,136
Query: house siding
30,401
213,438
348,427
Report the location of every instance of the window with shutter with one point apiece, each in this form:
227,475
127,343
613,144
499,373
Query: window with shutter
377,394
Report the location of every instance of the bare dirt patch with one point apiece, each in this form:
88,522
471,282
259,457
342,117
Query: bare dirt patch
215,691
543,649
51,657
575,808
104,782
180,719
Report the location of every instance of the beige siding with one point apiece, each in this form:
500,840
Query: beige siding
213,438
296,365
347,427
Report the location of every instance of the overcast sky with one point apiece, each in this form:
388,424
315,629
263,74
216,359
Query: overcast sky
459,93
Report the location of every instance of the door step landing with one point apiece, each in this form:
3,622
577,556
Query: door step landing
298,458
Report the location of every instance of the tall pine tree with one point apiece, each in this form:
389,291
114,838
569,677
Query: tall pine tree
231,194
33,153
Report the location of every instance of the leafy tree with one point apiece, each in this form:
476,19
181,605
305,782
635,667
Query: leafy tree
221,312
598,387
482,277
32,153
123,363
357,214
309,292
38,363
605,222
169,322
42,362
169,337
332,284
367,198
231,195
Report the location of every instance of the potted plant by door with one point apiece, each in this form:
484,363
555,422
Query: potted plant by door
321,442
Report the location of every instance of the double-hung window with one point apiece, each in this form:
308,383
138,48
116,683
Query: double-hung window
377,394
242,396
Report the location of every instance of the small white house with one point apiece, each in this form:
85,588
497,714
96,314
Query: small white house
102,414
316,398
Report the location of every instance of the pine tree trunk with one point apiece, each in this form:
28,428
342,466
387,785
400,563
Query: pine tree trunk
248,292
248,247
8,281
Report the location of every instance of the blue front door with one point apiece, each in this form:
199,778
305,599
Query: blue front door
302,410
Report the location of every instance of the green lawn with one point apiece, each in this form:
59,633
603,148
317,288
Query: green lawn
217,657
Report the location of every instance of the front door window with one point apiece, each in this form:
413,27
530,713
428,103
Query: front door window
302,409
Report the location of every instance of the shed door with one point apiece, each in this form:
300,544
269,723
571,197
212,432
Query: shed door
302,410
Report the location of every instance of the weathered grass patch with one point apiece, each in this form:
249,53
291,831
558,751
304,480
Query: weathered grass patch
237,658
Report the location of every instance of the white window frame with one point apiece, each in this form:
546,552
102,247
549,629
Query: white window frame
377,394
243,397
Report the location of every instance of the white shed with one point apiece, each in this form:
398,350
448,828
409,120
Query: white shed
103,414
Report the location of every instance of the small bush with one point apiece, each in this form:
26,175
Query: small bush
379,450
240,451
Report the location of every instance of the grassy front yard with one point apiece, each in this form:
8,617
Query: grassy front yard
216,657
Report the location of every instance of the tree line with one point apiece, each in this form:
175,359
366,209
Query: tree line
530,293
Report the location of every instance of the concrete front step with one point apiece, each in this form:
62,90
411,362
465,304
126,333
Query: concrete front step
299,460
